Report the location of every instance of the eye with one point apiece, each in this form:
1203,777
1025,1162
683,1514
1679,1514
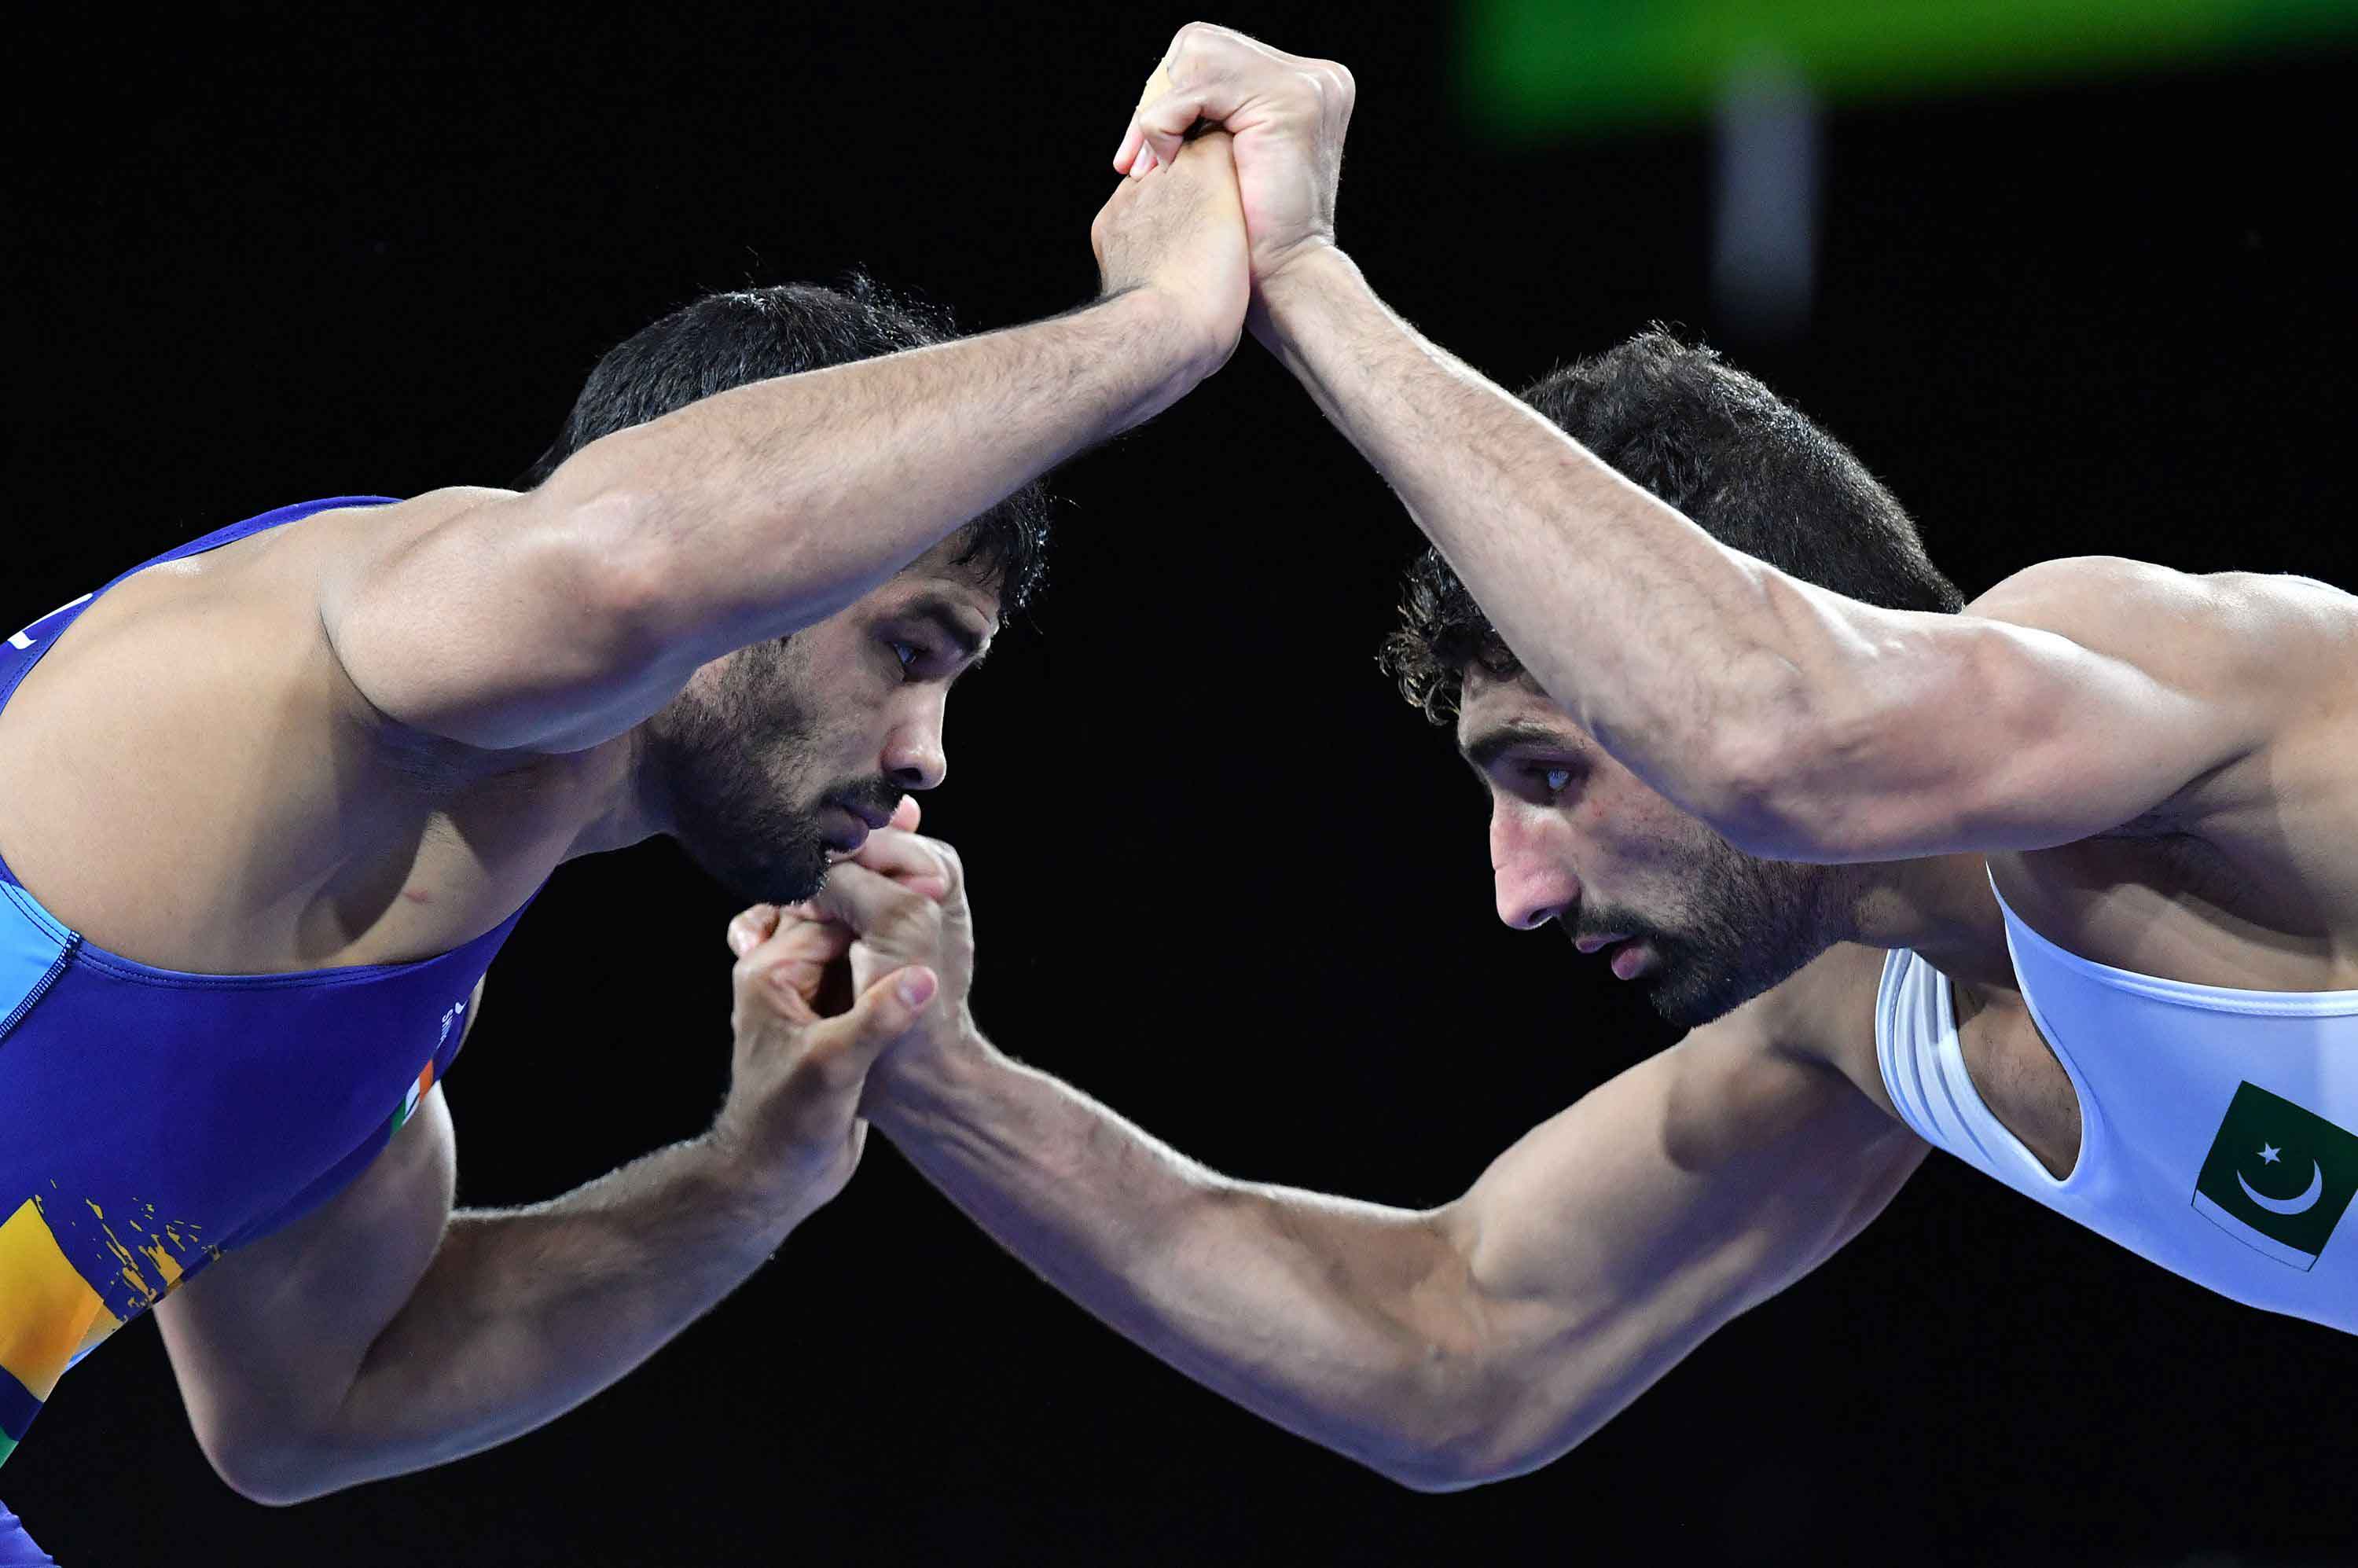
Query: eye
907,654
1552,782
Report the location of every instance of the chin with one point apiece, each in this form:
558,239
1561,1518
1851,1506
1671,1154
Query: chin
1689,1006
1695,988
778,862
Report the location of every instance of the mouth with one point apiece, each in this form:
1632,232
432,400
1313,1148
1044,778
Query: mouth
847,835
874,818
1631,959
1597,943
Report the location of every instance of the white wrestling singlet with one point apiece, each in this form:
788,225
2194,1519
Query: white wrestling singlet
2218,1127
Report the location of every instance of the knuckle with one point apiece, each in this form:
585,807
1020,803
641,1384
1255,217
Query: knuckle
1189,46
755,981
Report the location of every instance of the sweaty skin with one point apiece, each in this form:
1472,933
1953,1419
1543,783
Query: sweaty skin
2155,767
386,725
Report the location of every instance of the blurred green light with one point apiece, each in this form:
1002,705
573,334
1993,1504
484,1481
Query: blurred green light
1530,67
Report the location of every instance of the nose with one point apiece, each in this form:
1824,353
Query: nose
1530,871
914,757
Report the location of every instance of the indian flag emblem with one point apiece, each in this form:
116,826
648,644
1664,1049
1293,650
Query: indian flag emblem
2278,1177
417,1088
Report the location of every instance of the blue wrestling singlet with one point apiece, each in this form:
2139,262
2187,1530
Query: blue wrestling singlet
151,1120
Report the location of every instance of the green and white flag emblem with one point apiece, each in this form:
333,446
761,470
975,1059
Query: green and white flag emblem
2278,1177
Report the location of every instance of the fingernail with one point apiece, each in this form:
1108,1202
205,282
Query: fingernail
916,988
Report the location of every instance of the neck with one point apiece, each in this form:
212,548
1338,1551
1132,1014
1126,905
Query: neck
628,807
1941,907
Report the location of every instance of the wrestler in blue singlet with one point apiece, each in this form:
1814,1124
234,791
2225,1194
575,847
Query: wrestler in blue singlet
151,1120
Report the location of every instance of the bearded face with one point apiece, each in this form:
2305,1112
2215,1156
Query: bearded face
745,761
1731,928
1671,906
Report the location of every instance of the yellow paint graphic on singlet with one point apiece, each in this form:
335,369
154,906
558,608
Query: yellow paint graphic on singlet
153,1240
47,1312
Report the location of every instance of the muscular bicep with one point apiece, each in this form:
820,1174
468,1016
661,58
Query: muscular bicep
267,1340
499,621
1613,1239
2074,698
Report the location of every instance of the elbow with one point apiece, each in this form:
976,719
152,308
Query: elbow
612,570
661,564
277,1468
1460,1428
1874,781
1438,1473
275,1475
1756,787
1785,728
602,528
607,548
1459,1463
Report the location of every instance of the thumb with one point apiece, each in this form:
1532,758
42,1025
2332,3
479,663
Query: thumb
885,1010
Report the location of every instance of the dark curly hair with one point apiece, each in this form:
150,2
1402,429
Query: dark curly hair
1749,471
753,334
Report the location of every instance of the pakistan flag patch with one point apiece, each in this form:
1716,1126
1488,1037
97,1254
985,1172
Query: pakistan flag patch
2278,1177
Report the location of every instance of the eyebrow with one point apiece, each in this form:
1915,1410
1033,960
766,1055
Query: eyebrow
1490,745
943,616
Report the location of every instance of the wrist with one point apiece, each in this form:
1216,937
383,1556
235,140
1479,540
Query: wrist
1169,340
923,1083
1291,299
771,1189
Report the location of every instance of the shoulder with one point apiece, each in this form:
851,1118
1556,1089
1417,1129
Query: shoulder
2201,628
363,532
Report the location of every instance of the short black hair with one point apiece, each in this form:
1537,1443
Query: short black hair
753,334
1747,468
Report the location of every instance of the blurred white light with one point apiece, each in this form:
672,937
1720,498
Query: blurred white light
1764,208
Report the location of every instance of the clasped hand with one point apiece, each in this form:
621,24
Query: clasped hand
1269,166
898,906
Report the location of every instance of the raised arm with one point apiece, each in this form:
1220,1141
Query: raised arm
559,618
1799,723
383,1332
1444,1348
2076,698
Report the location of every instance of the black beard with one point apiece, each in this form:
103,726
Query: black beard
726,812
749,842
1754,925
715,764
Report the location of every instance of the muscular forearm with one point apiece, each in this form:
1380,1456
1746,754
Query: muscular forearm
1340,1321
771,506
1675,652
524,1314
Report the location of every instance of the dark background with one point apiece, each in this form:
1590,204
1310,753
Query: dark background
1224,879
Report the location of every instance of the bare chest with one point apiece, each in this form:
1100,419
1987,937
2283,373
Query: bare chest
226,815
2183,909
